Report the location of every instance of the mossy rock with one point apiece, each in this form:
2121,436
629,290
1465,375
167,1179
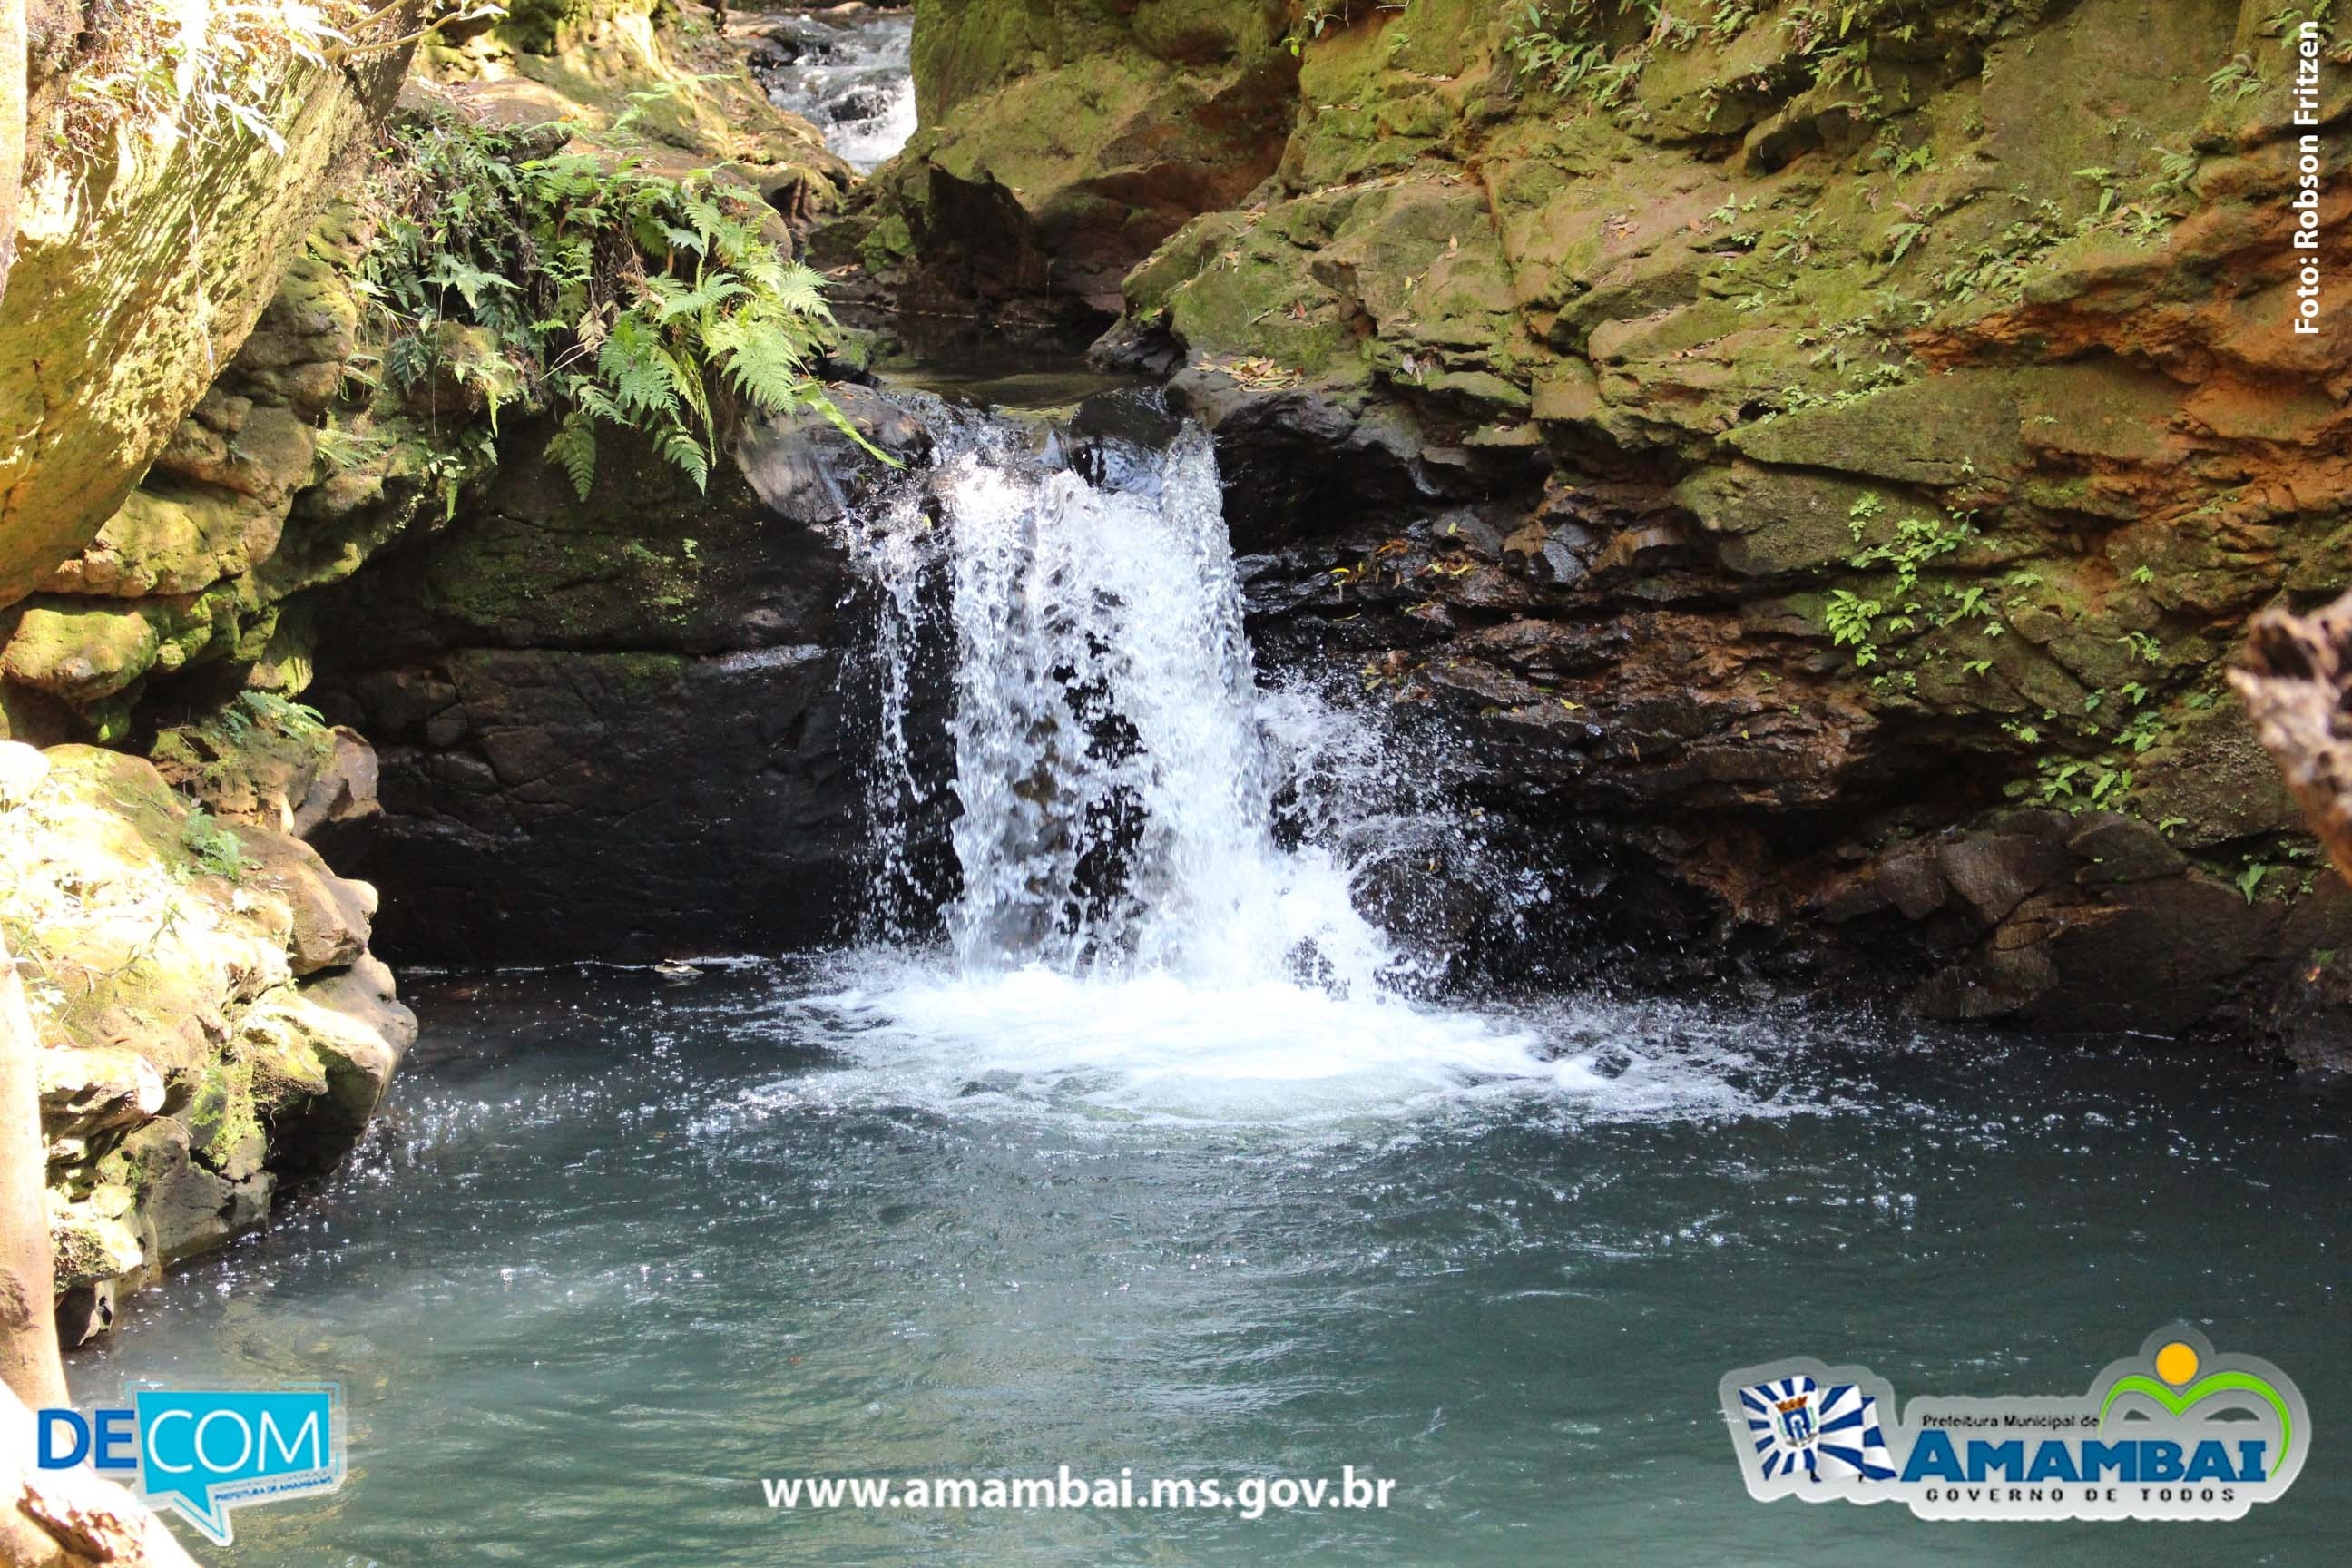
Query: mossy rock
131,290
2211,781
78,650
1946,431
1775,522
89,1247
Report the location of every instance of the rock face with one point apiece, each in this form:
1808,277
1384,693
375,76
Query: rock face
211,1021
613,729
1816,471
190,571
143,261
1062,142
662,66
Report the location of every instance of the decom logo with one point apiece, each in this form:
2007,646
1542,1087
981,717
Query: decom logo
201,1454
2174,1432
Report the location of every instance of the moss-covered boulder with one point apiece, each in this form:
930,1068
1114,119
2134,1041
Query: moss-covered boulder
286,475
209,1017
1059,143
151,238
658,76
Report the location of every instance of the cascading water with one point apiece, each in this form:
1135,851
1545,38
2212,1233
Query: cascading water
849,74
1087,891
1122,1147
1112,773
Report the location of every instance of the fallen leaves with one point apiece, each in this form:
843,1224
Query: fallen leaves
1254,370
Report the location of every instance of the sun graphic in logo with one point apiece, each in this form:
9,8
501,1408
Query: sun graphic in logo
2178,1363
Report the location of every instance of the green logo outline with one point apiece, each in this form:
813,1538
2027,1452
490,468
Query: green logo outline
2202,1389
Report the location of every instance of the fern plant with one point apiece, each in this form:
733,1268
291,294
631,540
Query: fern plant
618,296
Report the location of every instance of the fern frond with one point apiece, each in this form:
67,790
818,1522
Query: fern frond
765,367
802,292
688,455
573,447
636,368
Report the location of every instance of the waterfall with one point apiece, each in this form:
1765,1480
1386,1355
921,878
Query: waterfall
1114,767
1112,869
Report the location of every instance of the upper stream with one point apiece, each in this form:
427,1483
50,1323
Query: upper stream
1126,1140
846,73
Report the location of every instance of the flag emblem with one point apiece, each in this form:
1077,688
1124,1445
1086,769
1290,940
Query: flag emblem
1829,1433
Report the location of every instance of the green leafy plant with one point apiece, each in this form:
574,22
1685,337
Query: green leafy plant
2176,171
610,294
339,450
1552,44
2237,80
1319,18
1864,511
216,850
1850,618
1916,541
160,69
1903,236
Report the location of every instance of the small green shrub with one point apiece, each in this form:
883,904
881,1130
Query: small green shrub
215,849
615,295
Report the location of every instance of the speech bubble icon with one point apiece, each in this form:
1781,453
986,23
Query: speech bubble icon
203,1450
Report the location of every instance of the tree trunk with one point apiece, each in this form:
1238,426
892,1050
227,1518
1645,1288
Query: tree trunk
29,1323
48,1518
14,73
2297,684
70,1519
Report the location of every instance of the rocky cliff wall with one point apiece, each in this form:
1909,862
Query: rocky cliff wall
1816,460
616,729
1060,141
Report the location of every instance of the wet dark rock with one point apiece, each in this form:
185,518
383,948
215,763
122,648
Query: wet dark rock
648,683
2090,923
864,101
777,50
709,793
808,469
1993,872
2312,1014
1913,883
2123,850
1139,416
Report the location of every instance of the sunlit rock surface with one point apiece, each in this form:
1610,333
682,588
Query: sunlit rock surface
210,1020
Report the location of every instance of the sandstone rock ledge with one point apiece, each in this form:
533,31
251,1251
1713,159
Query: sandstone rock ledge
211,1022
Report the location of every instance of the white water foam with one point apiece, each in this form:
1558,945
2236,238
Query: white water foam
1154,1050
1132,935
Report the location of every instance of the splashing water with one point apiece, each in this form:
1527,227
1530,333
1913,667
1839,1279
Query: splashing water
850,78
1113,775
1073,803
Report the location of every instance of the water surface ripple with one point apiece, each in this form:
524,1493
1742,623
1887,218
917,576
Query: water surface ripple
622,1247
